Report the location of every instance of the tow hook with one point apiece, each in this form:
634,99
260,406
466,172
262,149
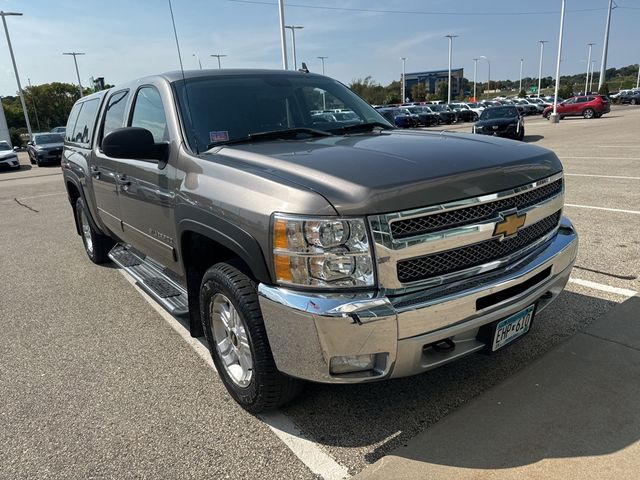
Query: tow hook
445,345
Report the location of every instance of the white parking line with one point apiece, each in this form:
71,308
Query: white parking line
634,212
600,176
309,453
43,195
604,288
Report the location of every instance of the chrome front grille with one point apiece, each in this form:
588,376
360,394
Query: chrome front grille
444,243
477,213
442,263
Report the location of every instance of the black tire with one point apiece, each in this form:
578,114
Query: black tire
547,115
521,134
588,113
98,249
633,101
267,388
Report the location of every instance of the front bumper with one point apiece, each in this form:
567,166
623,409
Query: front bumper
307,330
10,162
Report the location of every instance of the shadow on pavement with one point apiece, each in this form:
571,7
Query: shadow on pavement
386,415
532,138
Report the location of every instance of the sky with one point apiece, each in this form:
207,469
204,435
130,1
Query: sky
126,39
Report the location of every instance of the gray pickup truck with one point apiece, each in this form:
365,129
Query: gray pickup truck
307,246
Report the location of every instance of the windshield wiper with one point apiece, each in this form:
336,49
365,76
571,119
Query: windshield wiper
286,133
365,127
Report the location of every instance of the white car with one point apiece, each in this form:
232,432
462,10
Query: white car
8,156
477,108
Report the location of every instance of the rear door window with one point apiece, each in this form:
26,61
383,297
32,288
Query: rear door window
83,130
71,122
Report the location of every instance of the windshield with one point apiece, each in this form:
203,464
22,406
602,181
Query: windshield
499,112
49,138
227,108
4,146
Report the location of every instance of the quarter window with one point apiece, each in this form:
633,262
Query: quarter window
83,130
148,113
71,122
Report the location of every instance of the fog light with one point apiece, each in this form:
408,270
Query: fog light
352,363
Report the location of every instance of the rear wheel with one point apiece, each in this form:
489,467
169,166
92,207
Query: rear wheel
546,115
237,338
633,101
588,113
95,244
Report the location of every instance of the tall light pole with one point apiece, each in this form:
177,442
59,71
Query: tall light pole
593,68
554,116
218,56
586,83
450,37
199,62
541,42
521,62
402,90
15,68
324,97
605,48
293,29
475,71
283,38
638,80
488,74
75,54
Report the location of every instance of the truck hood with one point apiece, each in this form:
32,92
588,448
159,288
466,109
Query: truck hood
6,154
394,170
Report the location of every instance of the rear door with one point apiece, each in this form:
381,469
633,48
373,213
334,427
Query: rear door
147,188
104,170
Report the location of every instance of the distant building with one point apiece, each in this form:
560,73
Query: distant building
432,79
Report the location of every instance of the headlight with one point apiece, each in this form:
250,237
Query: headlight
321,252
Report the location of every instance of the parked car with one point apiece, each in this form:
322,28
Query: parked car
400,117
307,251
60,130
539,103
45,148
630,97
503,121
463,112
587,106
527,107
446,114
426,116
8,156
476,107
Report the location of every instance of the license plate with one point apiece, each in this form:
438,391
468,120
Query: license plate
513,327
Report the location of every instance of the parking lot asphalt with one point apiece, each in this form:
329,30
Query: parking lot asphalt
96,383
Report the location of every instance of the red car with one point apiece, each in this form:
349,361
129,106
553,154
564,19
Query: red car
587,106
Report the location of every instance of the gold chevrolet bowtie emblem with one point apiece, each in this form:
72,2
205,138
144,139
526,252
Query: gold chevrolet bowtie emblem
509,225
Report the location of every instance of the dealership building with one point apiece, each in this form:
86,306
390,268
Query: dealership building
432,79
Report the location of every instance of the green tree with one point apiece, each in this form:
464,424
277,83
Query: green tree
442,92
522,94
368,89
604,89
419,92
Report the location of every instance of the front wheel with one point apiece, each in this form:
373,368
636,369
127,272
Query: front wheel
95,244
546,115
588,113
521,134
238,343
633,101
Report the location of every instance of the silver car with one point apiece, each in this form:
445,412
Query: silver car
8,157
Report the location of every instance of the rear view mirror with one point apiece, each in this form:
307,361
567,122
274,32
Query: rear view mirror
134,143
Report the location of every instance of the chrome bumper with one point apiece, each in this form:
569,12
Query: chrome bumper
306,330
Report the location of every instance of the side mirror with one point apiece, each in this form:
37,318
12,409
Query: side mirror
30,142
134,143
16,149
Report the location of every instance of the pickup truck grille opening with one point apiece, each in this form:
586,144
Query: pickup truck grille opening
494,298
473,214
441,263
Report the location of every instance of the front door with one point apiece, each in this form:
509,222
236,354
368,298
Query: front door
147,188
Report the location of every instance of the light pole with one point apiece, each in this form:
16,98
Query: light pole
605,48
586,83
593,68
324,97
488,74
293,29
199,62
520,89
15,68
554,116
75,54
402,90
283,38
638,80
218,56
450,37
475,71
541,42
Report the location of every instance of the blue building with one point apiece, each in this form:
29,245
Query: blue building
432,79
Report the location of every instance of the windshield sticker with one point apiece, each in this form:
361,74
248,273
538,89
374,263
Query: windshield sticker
219,136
